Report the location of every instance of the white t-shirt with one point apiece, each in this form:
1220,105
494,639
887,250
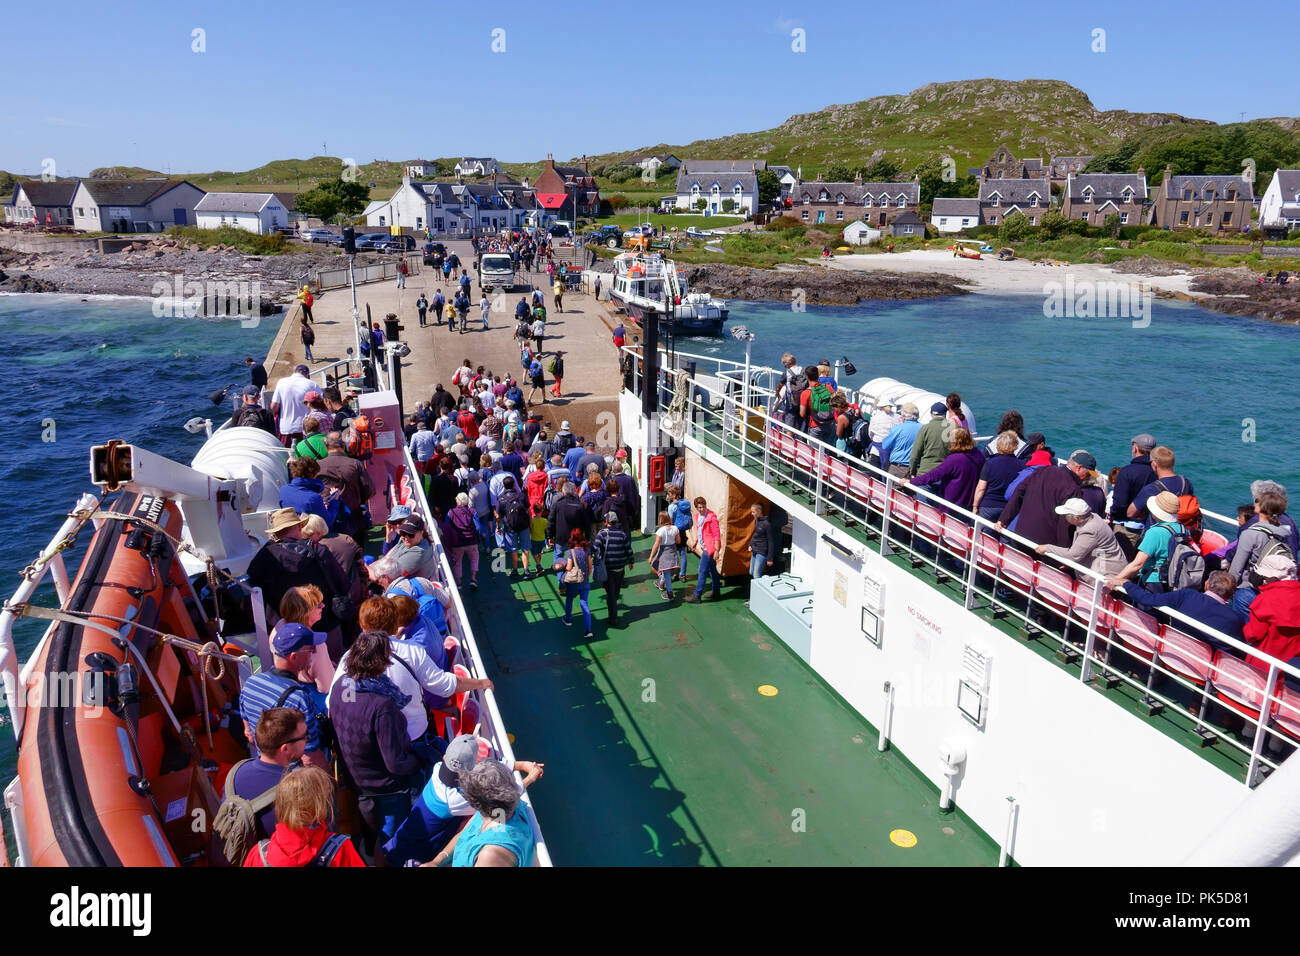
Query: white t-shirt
427,676
667,535
288,395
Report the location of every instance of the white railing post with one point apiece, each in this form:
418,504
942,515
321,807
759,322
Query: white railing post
1257,746
819,464
885,549
1090,640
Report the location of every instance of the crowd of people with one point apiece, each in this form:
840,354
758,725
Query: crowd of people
1139,526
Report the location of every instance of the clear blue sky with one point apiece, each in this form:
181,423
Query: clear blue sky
283,79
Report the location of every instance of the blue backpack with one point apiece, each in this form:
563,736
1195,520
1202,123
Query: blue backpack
430,607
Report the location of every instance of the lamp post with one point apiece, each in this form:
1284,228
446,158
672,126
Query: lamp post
742,334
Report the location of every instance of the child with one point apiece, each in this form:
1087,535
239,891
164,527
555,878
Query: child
679,509
663,554
537,536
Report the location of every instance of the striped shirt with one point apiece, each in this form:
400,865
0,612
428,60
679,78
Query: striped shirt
260,693
613,545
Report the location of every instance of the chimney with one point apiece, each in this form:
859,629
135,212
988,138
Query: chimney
857,178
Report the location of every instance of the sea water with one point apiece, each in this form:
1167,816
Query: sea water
83,371
1217,389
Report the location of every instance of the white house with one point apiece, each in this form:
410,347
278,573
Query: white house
41,202
859,233
260,213
478,166
954,215
133,205
653,162
1279,207
787,177
420,168
452,207
717,180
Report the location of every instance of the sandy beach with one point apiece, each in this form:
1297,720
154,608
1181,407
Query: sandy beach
1017,277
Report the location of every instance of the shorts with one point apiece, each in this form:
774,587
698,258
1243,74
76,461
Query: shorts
509,540
537,548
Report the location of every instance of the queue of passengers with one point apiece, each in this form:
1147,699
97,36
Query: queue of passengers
1140,526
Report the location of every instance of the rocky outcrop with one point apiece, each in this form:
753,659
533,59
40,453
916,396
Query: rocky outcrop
25,283
1244,295
818,286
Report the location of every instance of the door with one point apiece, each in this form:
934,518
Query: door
178,217
821,215
882,219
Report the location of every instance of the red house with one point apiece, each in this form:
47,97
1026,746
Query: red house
558,188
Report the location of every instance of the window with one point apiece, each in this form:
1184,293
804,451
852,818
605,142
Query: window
1084,215
1087,194
823,196
381,221
867,200
80,211
419,222
994,200
840,199
1209,194
907,230
1226,219
1033,200
803,214
821,215
1128,195
1182,218
839,215
902,202
1123,219
1033,220
943,220
1187,194
94,212
993,220
1209,219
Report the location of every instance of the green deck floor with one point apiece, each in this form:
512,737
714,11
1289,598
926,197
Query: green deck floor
709,771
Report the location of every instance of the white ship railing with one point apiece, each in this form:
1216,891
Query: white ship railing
1054,599
493,727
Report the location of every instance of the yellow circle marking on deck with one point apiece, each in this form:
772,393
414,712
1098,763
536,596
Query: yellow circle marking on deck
904,838
767,690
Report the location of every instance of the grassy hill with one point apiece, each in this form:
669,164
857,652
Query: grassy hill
965,120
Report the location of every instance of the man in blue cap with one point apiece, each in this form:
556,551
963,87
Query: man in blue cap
292,647
250,414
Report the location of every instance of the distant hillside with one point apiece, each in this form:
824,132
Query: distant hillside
965,120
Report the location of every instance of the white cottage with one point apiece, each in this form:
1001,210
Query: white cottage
954,215
133,205
715,181
42,203
1279,207
860,233
260,213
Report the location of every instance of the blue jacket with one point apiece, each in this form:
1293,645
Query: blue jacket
896,449
1197,605
303,495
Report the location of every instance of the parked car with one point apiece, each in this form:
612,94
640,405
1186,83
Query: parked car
319,235
395,244
560,230
368,240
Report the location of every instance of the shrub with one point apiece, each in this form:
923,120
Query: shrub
701,204
782,222
246,242
1013,229
618,201
728,205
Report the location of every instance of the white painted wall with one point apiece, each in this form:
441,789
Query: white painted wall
1097,786
951,223
1270,204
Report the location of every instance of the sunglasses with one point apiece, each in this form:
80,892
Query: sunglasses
294,740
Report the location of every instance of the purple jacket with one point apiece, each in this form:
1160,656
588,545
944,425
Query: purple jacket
956,476
458,529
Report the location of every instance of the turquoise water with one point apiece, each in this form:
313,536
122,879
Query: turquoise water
82,372
1190,378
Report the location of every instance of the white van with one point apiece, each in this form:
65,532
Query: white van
496,270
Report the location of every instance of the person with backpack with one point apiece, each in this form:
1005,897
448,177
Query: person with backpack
791,387
513,517
422,308
1274,622
847,418
815,414
577,579
304,807
461,537
1162,562
679,510
247,811
1162,463
293,647
439,302
1265,537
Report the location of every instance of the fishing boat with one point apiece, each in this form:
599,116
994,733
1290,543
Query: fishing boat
967,248
643,282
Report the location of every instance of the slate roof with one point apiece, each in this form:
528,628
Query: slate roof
715,166
907,218
1173,186
128,192
1106,185
955,207
233,202
856,193
726,181
1288,181
41,193
1016,190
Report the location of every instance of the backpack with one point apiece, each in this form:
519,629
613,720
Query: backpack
794,388
1184,565
1189,508
549,499
360,440
551,366
236,819
1274,546
516,512
324,856
563,442
819,404
515,394
860,435
308,335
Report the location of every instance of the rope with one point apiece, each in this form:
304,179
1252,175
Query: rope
66,542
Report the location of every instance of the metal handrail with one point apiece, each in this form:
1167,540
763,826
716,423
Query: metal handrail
493,723
734,421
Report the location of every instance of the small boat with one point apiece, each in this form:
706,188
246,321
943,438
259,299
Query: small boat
1006,254
643,282
965,249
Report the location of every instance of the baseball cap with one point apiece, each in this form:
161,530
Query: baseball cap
1086,460
1144,442
312,395
292,637
1034,438
938,408
300,367
1075,506
412,525
399,513
252,391
464,752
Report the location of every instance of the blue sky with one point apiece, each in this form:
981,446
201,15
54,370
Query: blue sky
288,79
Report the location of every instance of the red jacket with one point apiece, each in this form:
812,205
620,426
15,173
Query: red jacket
468,425
708,534
1274,625
297,847
536,484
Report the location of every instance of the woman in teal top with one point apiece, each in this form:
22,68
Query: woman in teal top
501,831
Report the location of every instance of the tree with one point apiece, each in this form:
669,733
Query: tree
769,187
1111,225
1014,228
938,179
838,173
318,203
701,204
1053,223
728,204
883,170
334,199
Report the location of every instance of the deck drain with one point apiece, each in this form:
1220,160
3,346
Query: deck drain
949,831
904,838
